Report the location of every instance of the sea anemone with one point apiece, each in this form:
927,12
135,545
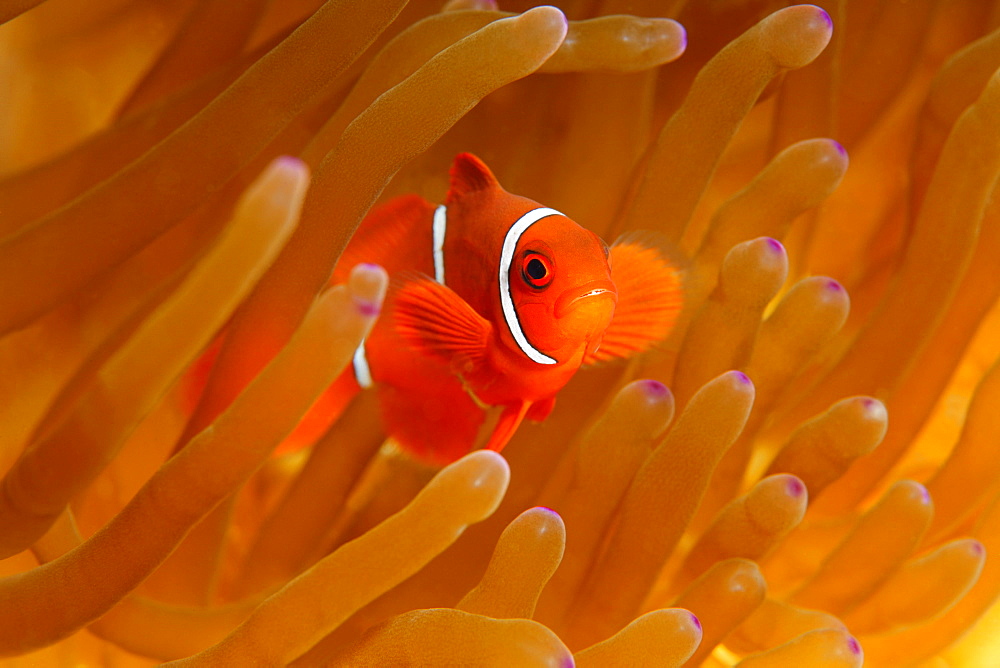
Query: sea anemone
179,179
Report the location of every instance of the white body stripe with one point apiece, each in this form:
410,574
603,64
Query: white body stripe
440,224
506,301
362,373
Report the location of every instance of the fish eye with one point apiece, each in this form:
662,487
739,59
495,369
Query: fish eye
536,270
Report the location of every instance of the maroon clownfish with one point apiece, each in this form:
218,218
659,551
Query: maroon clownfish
495,301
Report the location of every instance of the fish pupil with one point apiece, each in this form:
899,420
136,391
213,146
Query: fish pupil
536,269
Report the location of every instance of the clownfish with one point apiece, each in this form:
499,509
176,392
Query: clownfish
495,301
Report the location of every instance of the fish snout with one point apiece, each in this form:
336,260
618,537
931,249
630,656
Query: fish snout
595,297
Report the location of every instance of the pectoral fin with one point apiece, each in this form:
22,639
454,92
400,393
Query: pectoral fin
507,424
541,409
650,296
436,321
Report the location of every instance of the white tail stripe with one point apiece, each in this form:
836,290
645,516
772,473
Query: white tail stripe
440,223
362,373
506,300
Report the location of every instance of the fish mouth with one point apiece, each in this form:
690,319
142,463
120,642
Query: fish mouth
569,300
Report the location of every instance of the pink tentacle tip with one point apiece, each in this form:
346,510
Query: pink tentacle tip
796,488
546,509
834,286
695,621
367,308
925,496
837,145
873,408
854,645
289,162
977,548
655,388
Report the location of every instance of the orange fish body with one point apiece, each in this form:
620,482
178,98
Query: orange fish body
495,301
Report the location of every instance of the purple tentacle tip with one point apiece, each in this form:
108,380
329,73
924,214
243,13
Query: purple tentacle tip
655,388
547,509
977,548
695,621
853,645
568,662
840,147
834,286
742,377
796,488
775,245
826,17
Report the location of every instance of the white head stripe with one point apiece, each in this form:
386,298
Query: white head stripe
362,373
440,223
506,301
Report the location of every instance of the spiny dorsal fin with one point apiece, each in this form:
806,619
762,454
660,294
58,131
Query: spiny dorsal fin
382,233
469,174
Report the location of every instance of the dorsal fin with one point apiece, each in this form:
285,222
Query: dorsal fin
469,174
